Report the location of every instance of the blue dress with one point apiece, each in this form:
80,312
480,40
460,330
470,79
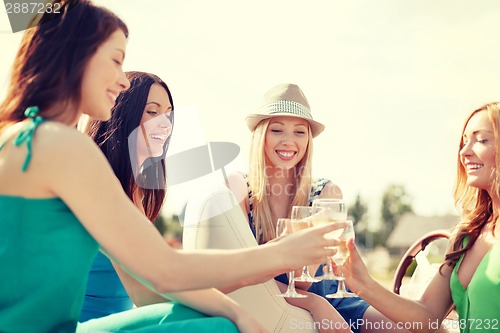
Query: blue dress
105,292
351,309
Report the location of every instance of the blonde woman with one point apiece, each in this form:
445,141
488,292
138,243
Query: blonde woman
280,177
469,279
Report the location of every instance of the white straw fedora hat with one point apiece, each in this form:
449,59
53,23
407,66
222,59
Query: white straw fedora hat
285,99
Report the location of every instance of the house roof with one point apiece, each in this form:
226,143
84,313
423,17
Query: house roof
411,227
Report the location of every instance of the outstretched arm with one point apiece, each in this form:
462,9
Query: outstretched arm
208,301
433,306
74,169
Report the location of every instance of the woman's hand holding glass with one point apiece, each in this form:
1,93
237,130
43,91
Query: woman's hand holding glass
339,258
302,219
354,269
308,246
328,211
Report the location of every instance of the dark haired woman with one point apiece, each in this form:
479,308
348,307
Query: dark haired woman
60,199
134,140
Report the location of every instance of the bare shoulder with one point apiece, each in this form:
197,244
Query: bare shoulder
59,136
236,178
59,150
238,185
331,190
55,151
59,142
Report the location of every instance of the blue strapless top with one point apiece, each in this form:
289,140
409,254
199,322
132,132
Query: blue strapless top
105,293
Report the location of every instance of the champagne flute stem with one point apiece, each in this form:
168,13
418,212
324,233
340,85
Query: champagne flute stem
341,289
341,284
291,282
329,275
330,267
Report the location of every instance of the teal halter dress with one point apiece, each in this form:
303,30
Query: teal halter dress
45,257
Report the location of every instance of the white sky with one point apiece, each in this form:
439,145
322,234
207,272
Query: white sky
392,80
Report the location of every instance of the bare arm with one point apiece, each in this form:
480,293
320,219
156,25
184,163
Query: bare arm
434,305
215,303
209,301
331,191
238,185
73,168
139,293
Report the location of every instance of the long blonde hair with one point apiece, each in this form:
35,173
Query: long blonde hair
475,205
265,227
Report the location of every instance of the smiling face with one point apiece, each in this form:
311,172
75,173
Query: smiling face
477,154
104,78
155,124
286,141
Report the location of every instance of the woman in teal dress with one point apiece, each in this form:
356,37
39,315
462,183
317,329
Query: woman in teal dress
60,200
469,278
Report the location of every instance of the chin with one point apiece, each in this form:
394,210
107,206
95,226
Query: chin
285,166
478,186
157,151
157,155
471,183
104,115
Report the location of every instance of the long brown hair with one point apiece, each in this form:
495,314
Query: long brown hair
112,137
49,65
475,205
265,227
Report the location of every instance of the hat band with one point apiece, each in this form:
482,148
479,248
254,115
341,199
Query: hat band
284,106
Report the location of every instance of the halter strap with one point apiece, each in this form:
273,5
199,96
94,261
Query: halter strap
26,134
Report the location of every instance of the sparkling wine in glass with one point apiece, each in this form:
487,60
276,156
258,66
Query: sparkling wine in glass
339,259
283,227
326,211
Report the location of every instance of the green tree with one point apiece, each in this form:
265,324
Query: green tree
169,226
395,202
357,213
357,210
160,224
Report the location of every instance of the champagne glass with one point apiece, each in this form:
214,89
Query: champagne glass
327,211
284,226
339,258
301,219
